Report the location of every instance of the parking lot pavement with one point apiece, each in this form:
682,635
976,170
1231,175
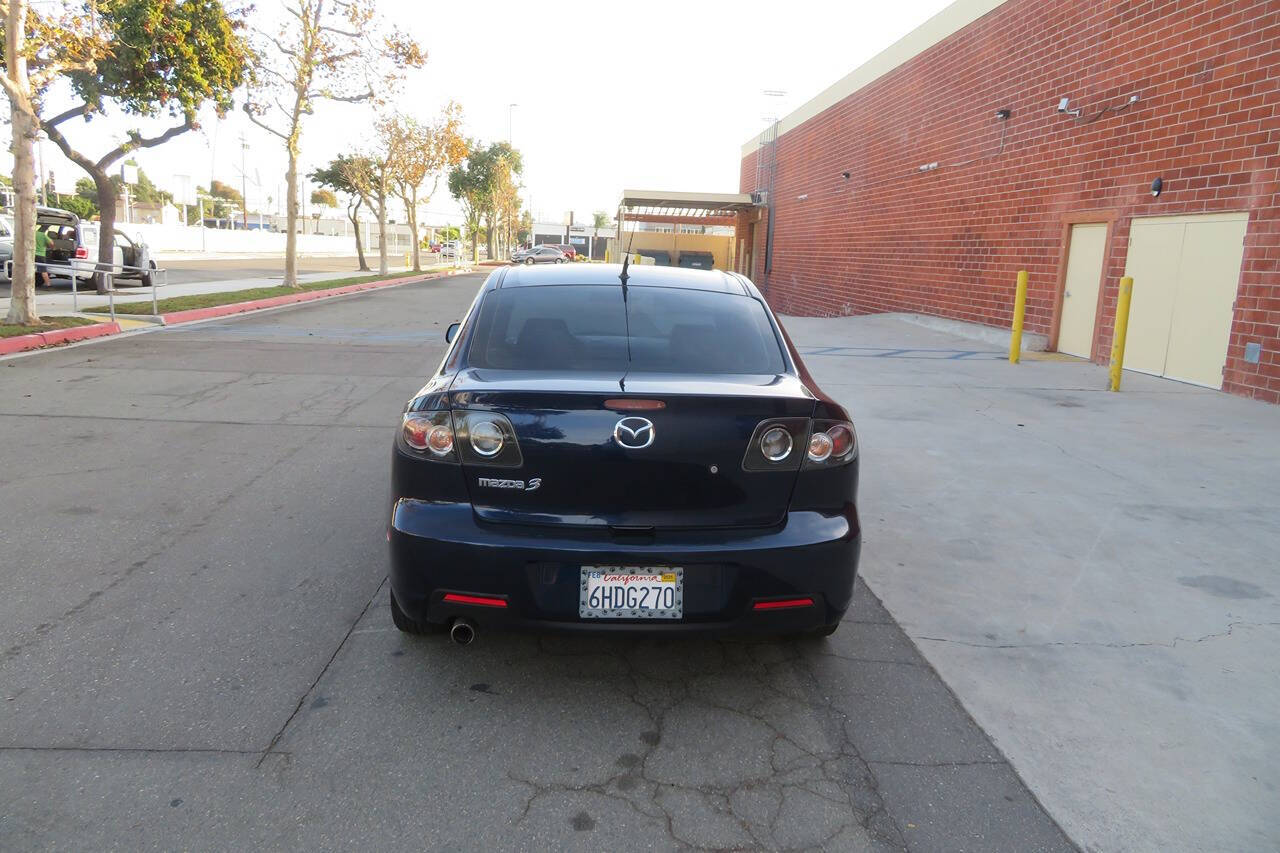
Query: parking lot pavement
197,649
1093,573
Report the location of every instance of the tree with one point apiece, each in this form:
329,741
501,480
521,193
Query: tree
324,198
168,58
600,219
505,204
335,177
418,153
38,47
367,175
497,167
468,183
77,204
325,50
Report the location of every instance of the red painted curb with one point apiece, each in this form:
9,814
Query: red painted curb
39,340
288,299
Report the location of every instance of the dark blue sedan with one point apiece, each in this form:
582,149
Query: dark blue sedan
622,449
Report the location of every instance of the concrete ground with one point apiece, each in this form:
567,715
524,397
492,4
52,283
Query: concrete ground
196,649
1094,574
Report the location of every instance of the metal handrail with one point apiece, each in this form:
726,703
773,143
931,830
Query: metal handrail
84,268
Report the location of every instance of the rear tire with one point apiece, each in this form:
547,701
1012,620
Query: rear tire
411,626
147,279
528,260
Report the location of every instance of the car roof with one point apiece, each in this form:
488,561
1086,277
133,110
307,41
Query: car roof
638,275
48,213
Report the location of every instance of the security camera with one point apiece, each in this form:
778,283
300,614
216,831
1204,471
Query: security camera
1004,114
1063,104
845,175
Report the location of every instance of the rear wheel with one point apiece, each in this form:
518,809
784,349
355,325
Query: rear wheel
411,626
147,279
562,260
528,260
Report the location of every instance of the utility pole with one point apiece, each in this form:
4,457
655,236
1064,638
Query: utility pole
244,184
510,107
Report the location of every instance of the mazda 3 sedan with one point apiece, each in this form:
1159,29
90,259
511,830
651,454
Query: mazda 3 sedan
622,449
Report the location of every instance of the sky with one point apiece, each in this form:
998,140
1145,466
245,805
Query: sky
610,96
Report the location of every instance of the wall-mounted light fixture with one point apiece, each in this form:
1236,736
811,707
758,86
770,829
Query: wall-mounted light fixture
802,197
1157,187
845,175
1004,114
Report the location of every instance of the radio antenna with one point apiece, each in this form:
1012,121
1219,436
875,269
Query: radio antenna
626,310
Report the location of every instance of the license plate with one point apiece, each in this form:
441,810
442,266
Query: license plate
631,592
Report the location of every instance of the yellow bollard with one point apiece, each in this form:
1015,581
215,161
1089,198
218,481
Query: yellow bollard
1121,330
1019,310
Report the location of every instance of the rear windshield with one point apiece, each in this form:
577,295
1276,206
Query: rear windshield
585,328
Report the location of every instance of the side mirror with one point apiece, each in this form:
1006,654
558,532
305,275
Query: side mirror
451,332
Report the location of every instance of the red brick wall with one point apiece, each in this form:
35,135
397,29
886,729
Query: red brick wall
949,241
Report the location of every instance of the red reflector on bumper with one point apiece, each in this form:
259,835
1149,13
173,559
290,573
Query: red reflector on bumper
481,600
783,604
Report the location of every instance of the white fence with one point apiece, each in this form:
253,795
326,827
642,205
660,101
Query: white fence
182,238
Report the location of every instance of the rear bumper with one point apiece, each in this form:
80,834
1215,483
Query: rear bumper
440,548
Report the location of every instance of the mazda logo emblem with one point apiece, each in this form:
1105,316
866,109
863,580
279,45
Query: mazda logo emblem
634,433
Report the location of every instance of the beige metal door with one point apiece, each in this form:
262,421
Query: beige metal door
1212,252
1080,294
1186,270
1155,248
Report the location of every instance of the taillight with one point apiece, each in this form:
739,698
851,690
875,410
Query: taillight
776,444
430,432
486,438
820,445
81,252
773,445
831,443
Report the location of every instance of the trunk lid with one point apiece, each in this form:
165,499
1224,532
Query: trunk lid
587,478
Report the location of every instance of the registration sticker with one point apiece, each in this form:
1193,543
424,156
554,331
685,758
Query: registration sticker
631,592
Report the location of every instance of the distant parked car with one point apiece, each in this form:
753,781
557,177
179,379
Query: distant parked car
569,252
545,254
451,250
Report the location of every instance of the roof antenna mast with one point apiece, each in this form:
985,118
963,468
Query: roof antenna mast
626,262
626,310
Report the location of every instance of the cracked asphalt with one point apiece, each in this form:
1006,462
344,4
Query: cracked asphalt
196,649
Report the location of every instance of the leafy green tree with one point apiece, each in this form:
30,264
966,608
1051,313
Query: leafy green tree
77,204
468,183
168,58
337,177
600,219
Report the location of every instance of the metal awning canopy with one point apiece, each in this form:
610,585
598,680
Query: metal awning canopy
669,206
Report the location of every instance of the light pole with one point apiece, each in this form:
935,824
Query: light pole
244,184
510,110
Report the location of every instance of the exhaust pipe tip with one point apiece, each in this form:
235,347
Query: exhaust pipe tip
463,631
